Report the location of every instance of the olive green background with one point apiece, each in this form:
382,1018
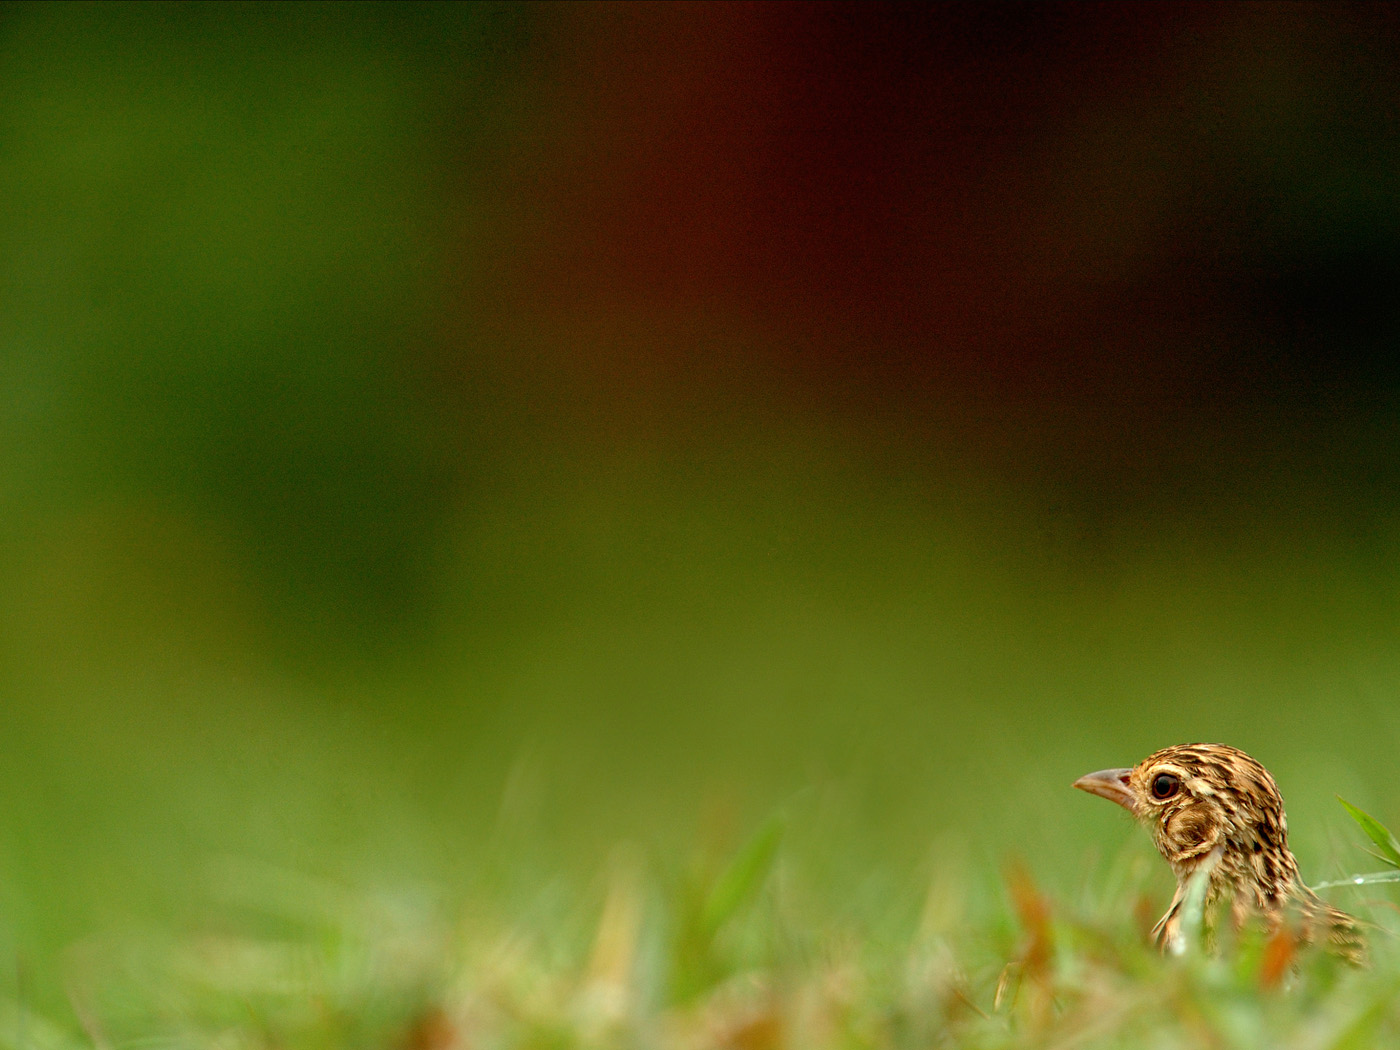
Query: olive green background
441,443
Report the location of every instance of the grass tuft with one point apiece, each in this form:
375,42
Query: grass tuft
743,960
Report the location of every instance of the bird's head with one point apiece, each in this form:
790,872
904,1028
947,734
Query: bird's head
1195,798
1214,810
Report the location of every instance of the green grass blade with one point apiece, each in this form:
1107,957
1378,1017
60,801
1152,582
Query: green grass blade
1378,833
1361,880
1193,912
744,876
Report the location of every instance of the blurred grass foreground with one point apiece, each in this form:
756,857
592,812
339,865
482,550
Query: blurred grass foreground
618,525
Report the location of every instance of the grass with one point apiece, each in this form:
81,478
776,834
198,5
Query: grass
813,933
739,954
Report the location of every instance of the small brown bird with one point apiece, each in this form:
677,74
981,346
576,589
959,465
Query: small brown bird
1213,809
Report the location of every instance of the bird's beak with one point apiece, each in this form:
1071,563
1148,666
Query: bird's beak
1111,784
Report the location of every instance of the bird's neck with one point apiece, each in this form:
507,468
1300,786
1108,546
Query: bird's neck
1261,881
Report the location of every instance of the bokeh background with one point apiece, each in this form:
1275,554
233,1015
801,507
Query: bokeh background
441,443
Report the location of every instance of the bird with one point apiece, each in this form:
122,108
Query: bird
1213,810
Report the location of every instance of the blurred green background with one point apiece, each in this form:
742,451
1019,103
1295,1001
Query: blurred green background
443,442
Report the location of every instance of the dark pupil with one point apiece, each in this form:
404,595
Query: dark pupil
1164,786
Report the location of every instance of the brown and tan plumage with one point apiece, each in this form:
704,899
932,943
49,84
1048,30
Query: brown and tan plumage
1211,808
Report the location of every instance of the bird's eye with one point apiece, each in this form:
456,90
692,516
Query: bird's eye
1165,786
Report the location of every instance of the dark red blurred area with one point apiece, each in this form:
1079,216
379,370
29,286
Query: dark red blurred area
1129,235
868,164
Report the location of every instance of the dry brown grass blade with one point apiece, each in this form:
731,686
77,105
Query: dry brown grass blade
1279,952
1033,911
